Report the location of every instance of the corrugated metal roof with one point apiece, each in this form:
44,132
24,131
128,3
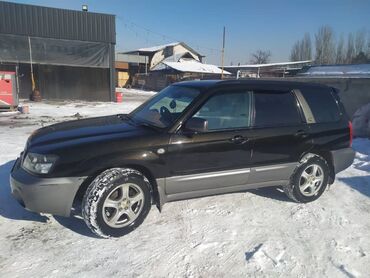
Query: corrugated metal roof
37,21
157,47
131,58
338,70
283,64
192,66
153,49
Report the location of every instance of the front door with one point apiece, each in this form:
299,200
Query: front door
218,157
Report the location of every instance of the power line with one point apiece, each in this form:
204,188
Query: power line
165,38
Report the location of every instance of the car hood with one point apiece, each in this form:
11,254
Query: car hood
86,128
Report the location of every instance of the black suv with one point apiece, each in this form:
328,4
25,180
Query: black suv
192,139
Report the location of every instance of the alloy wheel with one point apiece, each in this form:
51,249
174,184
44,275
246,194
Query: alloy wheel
123,205
311,180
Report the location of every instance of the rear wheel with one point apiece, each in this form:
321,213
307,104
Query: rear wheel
116,202
309,180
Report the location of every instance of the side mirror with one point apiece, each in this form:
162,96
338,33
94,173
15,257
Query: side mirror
197,125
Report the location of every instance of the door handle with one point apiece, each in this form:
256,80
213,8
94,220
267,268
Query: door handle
301,133
238,139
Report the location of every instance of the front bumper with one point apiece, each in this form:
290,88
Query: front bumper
342,159
49,195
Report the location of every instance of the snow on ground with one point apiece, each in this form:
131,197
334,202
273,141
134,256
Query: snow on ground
255,233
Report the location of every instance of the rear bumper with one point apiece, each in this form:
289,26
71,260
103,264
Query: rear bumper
342,159
49,195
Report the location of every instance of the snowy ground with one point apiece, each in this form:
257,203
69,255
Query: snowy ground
255,233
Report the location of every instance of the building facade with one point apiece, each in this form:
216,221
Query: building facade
64,54
158,66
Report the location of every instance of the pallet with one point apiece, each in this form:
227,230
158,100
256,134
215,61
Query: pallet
10,108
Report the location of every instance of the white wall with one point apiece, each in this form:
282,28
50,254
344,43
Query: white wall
177,51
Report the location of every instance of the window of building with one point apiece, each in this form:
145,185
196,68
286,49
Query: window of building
168,51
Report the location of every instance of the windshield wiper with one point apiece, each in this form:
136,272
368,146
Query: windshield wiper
148,125
137,123
126,117
123,116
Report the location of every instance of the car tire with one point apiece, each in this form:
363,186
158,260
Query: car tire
309,180
116,202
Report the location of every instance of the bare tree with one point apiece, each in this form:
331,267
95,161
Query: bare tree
356,49
302,49
361,55
360,41
307,47
324,44
260,57
295,54
350,49
340,53
360,58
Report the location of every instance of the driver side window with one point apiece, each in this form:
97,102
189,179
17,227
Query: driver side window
227,110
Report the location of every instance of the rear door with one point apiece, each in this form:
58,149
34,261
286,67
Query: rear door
280,136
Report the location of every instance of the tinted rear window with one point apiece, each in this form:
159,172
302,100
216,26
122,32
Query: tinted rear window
275,108
323,105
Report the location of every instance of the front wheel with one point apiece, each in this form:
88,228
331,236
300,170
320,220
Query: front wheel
309,180
116,202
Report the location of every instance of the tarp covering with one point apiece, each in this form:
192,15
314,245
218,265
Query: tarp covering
16,49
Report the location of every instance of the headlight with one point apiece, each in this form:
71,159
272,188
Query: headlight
39,163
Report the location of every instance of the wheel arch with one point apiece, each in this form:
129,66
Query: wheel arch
140,168
147,173
327,156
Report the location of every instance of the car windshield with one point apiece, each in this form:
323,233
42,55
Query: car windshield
165,108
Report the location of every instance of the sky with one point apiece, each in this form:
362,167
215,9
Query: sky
250,25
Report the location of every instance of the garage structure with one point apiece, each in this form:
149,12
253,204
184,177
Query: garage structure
156,67
69,54
153,56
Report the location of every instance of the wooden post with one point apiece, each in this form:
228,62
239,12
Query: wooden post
222,54
31,64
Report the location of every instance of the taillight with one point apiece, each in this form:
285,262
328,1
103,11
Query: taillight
350,133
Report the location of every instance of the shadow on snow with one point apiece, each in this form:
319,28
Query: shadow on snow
275,193
11,209
359,183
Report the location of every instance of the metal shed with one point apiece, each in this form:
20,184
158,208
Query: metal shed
70,52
